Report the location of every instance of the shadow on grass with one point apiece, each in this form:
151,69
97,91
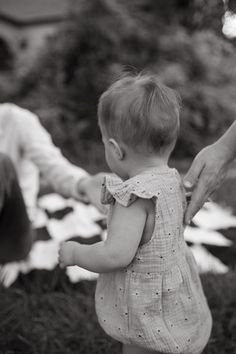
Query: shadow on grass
43,313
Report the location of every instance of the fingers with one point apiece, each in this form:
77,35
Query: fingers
193,173
65,253
195,178
199,196
62,264
102,208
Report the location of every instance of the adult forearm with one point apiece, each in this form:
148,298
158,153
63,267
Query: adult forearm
38,147
60,174
96,258
228,141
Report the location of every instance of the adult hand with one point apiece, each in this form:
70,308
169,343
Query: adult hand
205,175
89,190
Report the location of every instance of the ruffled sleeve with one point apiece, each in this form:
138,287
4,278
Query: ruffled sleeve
125,192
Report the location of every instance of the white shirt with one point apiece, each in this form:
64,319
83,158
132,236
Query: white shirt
32,151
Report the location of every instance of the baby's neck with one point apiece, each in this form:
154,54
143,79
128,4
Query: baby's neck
140,164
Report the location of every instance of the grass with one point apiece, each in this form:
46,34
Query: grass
43,313
220,291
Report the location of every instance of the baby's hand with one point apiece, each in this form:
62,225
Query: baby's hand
65,254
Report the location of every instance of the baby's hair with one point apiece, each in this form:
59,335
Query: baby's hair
141,112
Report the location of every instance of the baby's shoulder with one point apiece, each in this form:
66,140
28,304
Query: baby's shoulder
145,186
145,204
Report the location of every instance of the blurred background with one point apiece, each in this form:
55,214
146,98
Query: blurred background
56,58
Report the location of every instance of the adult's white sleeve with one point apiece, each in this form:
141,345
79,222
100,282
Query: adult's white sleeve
37,146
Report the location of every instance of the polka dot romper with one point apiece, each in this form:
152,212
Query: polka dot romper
157,302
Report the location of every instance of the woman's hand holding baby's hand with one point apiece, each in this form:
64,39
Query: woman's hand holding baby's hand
65,255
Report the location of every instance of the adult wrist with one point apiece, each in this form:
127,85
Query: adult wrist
228,142
224,144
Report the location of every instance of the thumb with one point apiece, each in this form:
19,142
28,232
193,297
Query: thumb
193,173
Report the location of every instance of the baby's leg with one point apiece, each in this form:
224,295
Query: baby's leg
132,349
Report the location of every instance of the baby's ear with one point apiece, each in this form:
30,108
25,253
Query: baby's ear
117,149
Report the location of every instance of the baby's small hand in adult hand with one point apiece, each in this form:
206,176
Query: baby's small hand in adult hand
65,254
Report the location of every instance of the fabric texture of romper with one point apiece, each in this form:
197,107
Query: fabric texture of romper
157,301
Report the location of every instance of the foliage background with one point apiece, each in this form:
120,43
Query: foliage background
180,40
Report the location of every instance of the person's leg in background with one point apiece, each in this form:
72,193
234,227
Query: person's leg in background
16,234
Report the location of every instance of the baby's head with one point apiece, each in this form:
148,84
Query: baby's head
140,113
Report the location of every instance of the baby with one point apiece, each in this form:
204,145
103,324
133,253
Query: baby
149,295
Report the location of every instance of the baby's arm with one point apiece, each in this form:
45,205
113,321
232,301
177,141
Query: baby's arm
124,235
